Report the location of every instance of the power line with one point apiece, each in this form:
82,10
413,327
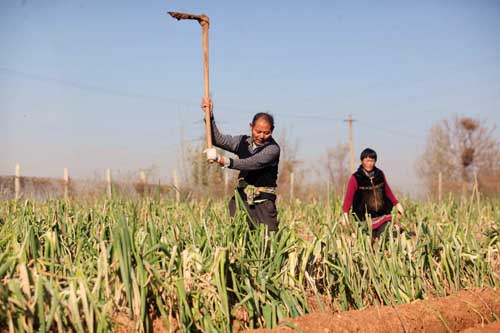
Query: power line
112,91
312,116
122,93
391,131
129,94
90,87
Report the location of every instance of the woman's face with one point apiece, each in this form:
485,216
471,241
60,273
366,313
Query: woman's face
261,131
368,163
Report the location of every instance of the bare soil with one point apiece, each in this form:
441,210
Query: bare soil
484,328
466,309
123,324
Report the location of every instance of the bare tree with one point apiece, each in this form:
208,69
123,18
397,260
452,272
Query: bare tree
206,178
289,164
465,152
337,166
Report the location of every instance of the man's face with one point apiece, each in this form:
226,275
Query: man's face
368,163
261,131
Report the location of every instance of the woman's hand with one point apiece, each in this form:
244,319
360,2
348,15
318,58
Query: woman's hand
400,209
207,105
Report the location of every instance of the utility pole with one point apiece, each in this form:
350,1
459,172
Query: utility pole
66,183
109,188
176,187
349,121
17,182
182,154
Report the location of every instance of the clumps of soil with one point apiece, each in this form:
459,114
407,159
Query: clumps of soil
454,313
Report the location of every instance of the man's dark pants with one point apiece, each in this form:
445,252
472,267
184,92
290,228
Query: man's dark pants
263,212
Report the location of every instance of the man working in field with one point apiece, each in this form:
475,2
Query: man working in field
258,158
369,194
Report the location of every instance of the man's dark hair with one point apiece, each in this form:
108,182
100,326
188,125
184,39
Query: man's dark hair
368,152
266,116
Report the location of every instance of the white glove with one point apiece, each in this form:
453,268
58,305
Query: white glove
400,209
211,154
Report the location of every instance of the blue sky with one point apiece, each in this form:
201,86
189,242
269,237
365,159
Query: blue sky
89,84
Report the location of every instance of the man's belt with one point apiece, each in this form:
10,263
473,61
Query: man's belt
253,192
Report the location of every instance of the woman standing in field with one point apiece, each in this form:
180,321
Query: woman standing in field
258,158
369,194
